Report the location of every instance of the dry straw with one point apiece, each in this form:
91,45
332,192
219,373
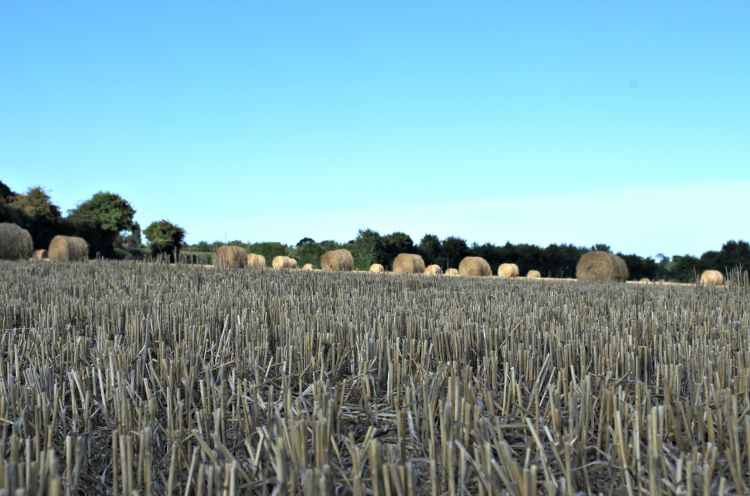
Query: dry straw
712,278
255,261
433,270
283,262
340,260
601,266
15,242
408,263
230,257
377,268
308,266
68,249
474,266
533,274
39,255
508,270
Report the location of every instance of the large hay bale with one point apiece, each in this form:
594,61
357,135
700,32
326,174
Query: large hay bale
408,263
230,257
508,270
15,242
712,278
433,270
601,266
452,272
308,266
39,255
474,266
255,261
68,249
377,268
533,274
283,262
340,260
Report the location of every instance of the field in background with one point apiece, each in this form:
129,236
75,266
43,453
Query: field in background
167,379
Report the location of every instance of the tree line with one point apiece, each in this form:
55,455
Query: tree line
555,260
106,221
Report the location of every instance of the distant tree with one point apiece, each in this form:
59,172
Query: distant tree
429,247
640,267
165,238
601,247
5,193
308,252
37,205
305,241
100,219
453,249
366,248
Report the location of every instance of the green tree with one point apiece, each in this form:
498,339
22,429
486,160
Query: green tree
37,205
366,248
452,251
165,238
429,248
100,219
5,193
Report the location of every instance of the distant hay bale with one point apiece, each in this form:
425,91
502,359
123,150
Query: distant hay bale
377,268
230,257
283,262
474,266
644,280
433,270
601,266
533,274
712,278
255,261
337,261
452,272
39,255
508,270
408,263
68,249
15,242
308,266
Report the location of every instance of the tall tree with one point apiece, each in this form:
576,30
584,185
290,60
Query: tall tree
429,248
37,204
101,218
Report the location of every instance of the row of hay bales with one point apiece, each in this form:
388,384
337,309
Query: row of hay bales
16,244
595,266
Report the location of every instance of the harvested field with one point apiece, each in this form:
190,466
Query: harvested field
155,379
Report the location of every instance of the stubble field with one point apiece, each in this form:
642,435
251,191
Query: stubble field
123,378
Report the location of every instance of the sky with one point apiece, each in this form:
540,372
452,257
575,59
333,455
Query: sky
625,123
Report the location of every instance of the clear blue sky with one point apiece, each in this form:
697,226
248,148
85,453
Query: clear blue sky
493,120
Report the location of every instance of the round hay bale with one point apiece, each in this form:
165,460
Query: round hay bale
474,266
68,249
283,262
533,274
644,280
712,278
452,272
308,266
408,263
230,257
255,261
508,270
377,268
601,266
39,255
15,242
433,270
337,261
